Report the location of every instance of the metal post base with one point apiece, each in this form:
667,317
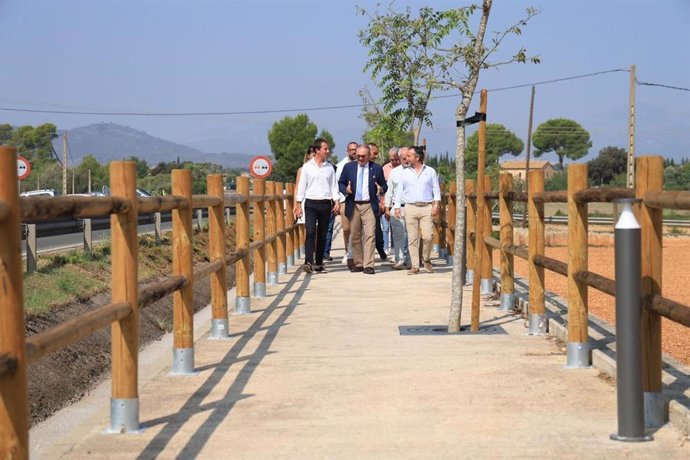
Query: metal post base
507,302
124,416
537,324
643,438
282,269
242,306
290,261
654,409
578,355
219,329
272,278
469,278
301,250
259,289
449,260
298,256
183,361
442,254
486,286
435,248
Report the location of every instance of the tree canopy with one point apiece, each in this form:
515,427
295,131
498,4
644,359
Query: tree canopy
611,162
566,138
499,142
289,139
382,129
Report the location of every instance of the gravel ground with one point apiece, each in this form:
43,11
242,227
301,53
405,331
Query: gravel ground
675,283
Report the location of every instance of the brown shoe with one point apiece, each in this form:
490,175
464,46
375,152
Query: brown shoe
428,267
357,269
413,271
350,264
369,271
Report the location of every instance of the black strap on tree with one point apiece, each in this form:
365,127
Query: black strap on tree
476,118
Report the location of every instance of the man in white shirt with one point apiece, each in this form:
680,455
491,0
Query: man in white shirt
420,192
344,221
319,190
401,256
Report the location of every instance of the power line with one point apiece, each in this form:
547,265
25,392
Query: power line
642,83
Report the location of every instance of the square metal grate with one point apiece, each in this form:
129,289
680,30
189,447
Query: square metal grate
427,329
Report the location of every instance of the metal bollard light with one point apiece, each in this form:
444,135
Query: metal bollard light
628,327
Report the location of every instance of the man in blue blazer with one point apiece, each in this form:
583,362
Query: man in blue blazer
362,182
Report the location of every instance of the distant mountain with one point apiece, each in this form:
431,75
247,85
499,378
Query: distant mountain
110,141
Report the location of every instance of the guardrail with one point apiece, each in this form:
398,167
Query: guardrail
648,188
275,244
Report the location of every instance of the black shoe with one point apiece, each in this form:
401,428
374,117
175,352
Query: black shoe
328,258
307,268
383,255
320,269
350,264
369,271
356,269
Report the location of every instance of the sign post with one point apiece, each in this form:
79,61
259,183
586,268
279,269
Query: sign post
260,167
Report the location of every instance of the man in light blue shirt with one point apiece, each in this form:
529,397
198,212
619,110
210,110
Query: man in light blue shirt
420,192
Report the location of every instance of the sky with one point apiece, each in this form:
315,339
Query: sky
164,56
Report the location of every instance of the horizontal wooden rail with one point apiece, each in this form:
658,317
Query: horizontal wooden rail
552,264
668,309
554,196
4,211
204,201
668,200
236,256
156,291
149,204
206,269
602,195
73,330
516,196
518,251
493,242
8,364
41,208
598,282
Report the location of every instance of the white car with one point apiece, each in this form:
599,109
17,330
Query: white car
44,192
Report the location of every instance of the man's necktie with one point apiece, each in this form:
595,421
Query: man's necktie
360,180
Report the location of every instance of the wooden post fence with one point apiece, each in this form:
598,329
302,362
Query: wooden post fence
242,304
124,403
183,299
14,406
290,222
216,246
280,228
487,275
506,237
443,224
260,235
470,230
479,244
450,221
537,318
271,225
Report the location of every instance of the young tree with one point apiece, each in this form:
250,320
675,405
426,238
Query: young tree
289,139
416,55
610,162
566,138
382,129
499,142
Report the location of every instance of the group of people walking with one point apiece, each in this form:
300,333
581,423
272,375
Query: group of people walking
399,198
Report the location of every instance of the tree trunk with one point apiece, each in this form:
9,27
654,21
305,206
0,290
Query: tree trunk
459,244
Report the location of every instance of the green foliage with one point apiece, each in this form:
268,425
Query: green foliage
289,139
610,162
444,166
499,142
5,133
142,166
382,128
566,138
557,181
677,177
36,144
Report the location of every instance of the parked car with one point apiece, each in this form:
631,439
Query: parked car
43,192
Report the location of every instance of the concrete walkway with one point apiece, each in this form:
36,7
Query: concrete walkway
319,369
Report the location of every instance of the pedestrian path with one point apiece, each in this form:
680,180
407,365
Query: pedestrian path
320,369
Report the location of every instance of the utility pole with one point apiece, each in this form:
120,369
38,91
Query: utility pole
89,182
64,163
630,182
529,149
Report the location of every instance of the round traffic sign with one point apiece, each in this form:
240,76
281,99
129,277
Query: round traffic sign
23,168
260,167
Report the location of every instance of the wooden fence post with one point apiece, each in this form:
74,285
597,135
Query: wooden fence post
290,223
242,304
280,227
183,299
578,347
506,235
443,224
487,270
14,406
471,230
124,403
537,316
450,222
271,248
649,173
216,250
436,237
31,248
260,235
